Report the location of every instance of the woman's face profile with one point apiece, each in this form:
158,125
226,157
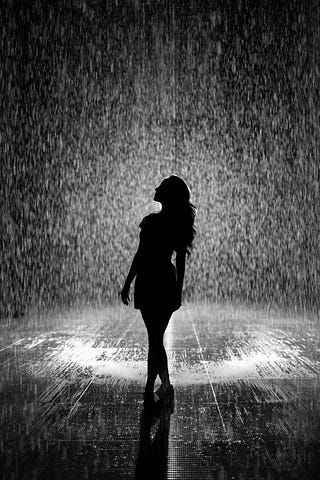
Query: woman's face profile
159,195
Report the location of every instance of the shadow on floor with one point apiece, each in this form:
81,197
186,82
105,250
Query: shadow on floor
152,460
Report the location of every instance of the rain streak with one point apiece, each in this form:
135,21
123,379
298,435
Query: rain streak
102,101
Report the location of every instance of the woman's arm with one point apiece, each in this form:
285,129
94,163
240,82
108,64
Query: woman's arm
133,270
180,265
132,273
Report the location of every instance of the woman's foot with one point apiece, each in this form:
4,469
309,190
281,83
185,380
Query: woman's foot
164,390
149,397
165,395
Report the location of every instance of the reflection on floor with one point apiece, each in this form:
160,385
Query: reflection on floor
246,396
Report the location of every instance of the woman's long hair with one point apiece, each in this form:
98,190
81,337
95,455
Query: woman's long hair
181,212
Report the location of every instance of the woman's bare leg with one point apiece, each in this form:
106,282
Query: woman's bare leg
156,324
162,355
152,359
152,366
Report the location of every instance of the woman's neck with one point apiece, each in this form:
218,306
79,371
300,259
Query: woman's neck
165,210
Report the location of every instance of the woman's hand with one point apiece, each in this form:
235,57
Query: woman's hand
125,295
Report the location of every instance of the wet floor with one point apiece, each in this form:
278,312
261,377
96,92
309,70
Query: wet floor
247,396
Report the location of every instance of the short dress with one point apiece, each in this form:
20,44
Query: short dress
156,279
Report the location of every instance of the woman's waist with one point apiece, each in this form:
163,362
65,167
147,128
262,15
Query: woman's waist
148,265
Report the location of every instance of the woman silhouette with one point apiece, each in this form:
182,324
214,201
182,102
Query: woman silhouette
158,285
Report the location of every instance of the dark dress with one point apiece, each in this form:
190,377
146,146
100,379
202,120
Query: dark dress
156,280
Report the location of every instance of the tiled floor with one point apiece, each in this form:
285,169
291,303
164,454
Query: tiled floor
246,396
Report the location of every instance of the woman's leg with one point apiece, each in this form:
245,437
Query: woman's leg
163,371
152,359
156,324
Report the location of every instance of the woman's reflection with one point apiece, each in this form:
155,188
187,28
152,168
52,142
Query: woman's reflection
152,461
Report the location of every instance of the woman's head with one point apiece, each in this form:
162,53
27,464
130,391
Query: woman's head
172,191
174,195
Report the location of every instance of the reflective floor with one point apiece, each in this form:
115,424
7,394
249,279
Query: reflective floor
247,396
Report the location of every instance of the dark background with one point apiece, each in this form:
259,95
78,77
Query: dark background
102,100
